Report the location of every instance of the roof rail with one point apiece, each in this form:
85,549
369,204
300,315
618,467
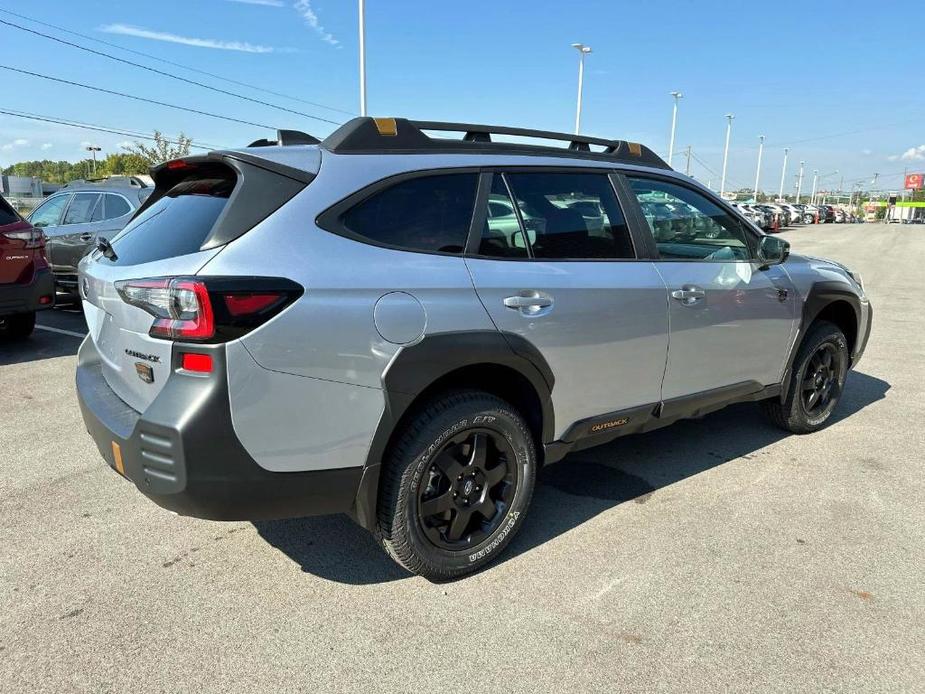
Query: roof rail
285,138
127,181
398,135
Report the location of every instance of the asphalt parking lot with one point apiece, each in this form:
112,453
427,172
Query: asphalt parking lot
715,555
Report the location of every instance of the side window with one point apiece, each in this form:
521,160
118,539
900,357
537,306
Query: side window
502,236
687,225
81,208
116,206
571,216
428,213
49,212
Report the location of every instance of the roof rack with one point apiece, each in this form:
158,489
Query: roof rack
366,135
285,138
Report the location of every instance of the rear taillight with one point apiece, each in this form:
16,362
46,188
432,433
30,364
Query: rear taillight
34,238
213,309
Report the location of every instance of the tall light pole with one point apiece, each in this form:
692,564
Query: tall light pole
583,50
722,185
93,149
800,182
783,173
758,170
687,167
362,11
674,122
873,184
812,198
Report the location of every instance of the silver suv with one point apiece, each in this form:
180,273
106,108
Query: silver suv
404,326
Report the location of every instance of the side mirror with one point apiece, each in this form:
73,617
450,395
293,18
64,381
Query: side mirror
772,250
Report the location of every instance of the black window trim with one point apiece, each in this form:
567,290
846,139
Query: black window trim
637,240
643,226
332,218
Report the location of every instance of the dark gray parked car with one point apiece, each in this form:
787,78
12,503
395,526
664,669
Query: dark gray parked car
81,212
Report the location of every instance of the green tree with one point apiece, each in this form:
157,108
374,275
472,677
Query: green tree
122,164
162,150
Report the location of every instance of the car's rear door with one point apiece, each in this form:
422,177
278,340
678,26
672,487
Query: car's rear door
561,272
76,234
732,319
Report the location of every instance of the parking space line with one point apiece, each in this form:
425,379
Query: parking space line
72,333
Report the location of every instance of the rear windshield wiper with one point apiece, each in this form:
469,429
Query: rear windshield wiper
104,247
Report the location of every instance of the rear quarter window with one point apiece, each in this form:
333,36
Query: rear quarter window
7,214
428,214
176,224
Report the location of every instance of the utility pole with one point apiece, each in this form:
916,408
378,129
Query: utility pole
687,168
583,50
674,122
722,185
93,149
800,181
783,173
815,180
758,170
362,9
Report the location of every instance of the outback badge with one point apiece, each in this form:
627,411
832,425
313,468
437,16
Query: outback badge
145,372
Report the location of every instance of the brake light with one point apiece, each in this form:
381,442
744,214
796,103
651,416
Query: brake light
208,309
34,238
181,306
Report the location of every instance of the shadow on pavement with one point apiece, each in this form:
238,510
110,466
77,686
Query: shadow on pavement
571,492
44,343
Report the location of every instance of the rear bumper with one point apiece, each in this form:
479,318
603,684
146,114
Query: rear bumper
25,298
184,455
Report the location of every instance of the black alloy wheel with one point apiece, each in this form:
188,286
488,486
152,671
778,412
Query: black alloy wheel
821,380
467,489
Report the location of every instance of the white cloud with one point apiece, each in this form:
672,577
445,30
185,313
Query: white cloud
140,32
892,157
18,142
263,3
125,144
47,145
7,147
867,152
304,8
914,154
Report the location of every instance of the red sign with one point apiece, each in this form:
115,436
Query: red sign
915,181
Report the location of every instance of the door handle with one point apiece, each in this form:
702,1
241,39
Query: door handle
689,295
530,303
86,236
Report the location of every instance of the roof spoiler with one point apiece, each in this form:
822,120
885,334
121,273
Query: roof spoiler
366,135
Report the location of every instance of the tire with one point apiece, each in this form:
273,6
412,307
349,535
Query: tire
17,327
435,496
807,219
819,372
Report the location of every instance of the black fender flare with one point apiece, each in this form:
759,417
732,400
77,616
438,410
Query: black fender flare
820,295
419,366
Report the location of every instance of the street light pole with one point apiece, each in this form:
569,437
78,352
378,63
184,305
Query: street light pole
783,173
93,149
812,198
583,50
674,122
800,182
362,11
722,185
687,168
758,170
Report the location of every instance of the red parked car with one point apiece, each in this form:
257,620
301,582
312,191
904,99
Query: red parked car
26,282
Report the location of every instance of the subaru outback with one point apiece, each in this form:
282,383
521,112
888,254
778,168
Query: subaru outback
405,321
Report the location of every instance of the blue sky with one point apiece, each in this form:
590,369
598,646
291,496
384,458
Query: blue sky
840,82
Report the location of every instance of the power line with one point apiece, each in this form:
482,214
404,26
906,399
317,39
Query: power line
136,98
167,74
98,128
179,65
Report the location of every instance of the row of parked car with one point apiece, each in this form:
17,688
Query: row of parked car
773,216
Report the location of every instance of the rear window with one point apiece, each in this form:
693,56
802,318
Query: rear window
428,213
176,224
7,215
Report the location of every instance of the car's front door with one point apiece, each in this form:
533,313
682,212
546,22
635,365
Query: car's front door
732,319
47,217
556,264
77,231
